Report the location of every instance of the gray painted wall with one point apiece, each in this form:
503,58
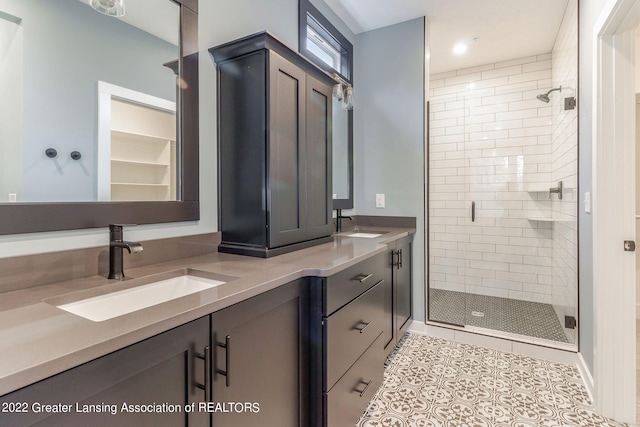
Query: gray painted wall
589,11
389,131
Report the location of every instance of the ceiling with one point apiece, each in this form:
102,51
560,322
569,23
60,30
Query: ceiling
503,29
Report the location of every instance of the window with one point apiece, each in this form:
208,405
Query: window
322,43
323,50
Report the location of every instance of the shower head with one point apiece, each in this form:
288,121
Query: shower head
544,97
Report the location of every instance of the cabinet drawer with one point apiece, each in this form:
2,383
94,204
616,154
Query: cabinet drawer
348,399
351,330
348,284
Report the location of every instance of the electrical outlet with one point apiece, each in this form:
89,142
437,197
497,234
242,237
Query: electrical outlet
379,200
13,197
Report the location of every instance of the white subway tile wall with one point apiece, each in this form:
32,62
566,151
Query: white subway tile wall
493,143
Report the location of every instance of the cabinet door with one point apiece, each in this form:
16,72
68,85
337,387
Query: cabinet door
286,195
402,288
319,175
260,359
242,167
164,369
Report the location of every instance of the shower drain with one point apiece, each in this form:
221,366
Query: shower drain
477,314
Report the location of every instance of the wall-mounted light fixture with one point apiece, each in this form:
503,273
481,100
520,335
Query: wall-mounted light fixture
343,91
109,7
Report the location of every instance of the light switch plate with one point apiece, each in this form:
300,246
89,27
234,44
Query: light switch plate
587,202
379,200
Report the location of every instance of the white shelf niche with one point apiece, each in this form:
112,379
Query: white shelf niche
137,137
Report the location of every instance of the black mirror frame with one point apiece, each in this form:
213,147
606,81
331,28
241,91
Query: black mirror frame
305,7
16,218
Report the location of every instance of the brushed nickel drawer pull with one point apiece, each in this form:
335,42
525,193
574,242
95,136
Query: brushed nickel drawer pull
362,277
366,325
365,387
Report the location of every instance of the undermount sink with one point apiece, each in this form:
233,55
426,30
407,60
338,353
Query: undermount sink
119,302
367,234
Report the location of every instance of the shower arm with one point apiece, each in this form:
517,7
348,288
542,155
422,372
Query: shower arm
554,89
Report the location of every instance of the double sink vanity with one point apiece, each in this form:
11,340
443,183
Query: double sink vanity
297,339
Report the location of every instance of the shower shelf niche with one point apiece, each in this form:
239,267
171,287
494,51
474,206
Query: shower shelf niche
541,219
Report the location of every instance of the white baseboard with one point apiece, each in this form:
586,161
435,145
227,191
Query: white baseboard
587,379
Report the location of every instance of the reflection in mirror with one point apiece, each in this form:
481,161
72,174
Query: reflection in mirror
322,43
342,174
340,142
53,54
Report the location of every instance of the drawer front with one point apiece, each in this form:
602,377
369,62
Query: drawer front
351,330
348,284
348,399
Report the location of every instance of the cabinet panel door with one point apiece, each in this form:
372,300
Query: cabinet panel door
319,175
403,288
265,360
287,196
163,369
242,164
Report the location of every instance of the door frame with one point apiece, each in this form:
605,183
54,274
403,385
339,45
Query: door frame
613,152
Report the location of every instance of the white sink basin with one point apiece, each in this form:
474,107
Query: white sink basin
365,235
114,304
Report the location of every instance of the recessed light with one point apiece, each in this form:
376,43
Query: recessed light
460,48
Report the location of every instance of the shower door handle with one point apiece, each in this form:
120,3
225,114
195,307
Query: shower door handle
473,211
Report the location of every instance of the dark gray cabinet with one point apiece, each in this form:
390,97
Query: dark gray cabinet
347,357
397,292
167,369
274,124
260,359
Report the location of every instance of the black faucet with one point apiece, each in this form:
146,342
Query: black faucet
116,244
339,219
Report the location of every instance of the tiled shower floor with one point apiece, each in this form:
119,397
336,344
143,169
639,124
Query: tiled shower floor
532,319
431,382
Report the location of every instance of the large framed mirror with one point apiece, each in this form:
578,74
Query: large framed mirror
324,45
102,123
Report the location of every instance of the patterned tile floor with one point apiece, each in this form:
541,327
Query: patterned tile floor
431,382
532,319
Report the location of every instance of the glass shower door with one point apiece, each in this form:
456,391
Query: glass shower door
448,210
502,249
